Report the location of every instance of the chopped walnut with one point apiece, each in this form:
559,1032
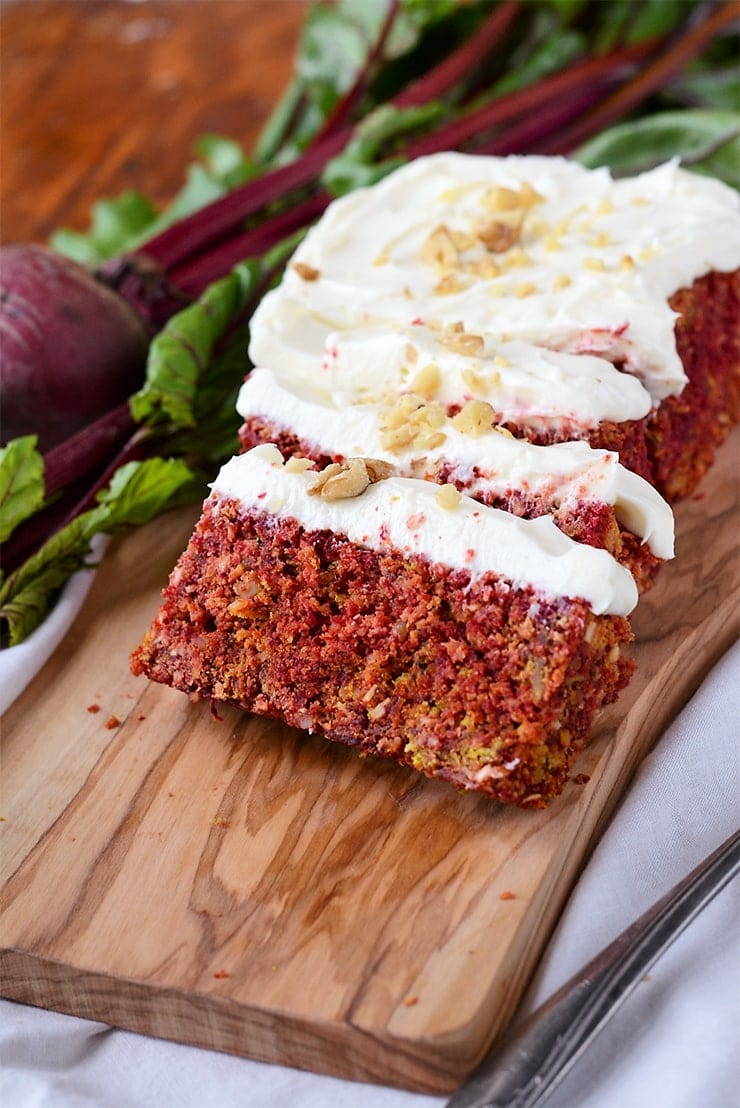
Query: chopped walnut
525,289
463,343
439,249
307,272
411,354
529,196
518,258
448,285
503,199
348,479
497,235
426,381
377,470
474,418
447,496
474,381
462,240
297,464
484,267
409,421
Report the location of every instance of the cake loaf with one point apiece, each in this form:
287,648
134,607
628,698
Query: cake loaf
399,617
474,387
594,309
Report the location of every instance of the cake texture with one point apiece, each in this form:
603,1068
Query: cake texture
401,634
474,389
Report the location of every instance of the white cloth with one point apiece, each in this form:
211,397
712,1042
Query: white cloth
674,1044
19,664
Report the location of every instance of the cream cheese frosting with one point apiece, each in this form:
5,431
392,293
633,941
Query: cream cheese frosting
527,384
588,275
567,472
405,514
529,285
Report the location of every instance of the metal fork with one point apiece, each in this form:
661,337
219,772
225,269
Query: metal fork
531,1062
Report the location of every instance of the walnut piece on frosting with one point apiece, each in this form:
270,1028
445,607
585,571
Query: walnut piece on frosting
499,235
439,249
448,497
462,342
306,272
350,478
409,421
474,418
298,464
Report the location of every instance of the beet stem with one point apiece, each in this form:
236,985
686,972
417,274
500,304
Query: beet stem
525,134
90,447
654,77
586,73
343,108
196,274
463,61
196,233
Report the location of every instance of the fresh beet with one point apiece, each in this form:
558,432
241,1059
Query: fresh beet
70,347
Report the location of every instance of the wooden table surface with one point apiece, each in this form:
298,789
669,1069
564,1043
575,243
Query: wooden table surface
99,96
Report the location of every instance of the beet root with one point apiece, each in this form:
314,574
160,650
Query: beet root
70,347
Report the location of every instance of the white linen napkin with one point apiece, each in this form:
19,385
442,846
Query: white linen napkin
674,1044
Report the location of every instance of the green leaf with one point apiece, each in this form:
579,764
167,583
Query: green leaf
567,10
652,18
121,225
332,50
180,354
28,594
200,188
114,225
275,131
717,88
21,483
412,19
705,141
360,163
137,493
140,491
550,56
225,160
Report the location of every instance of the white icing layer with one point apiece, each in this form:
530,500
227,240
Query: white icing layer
566,472
590,275
527,384
403,513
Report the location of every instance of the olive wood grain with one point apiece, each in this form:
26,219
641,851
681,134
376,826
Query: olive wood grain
235,884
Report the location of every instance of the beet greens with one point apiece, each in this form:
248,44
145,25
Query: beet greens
111,422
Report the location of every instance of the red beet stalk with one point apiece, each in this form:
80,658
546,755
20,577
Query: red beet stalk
344,108
209,226
688,45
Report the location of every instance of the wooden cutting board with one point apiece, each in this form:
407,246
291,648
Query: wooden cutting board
234,884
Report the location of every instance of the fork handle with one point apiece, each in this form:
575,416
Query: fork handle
532,1061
